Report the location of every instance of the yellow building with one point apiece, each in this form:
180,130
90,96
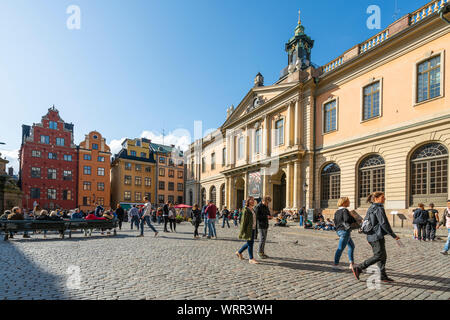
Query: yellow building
133,172
375,118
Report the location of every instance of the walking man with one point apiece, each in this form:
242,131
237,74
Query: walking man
211,212
433,218
165,215
146,217
225,216
134,217
205,219
120,215
262,217
376,216
445,221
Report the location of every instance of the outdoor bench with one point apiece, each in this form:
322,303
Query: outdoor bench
35,225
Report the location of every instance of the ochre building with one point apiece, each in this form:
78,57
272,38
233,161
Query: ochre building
375,118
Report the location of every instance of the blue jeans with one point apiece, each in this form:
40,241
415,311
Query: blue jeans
159,219
235,222
447,245
301,221
205,228
249,246
135,220
143,221
223,224
345,238
212,227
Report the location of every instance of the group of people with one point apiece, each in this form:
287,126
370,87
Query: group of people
40,214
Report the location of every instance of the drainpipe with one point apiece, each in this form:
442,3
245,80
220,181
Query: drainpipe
316,81
444,10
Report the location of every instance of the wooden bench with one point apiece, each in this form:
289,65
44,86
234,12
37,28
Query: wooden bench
36,225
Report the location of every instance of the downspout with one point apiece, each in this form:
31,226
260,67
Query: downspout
316,81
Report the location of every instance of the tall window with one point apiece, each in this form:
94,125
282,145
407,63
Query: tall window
36,154
133,153
148,169
86,201
67,175
51,194
35,193
330,185
160,198
162,185
86,186
371,176
429,175
51,174
222,194
429,79
279,132
148,182
101,159
100,171
162,160
213,161
100,186
101,201
127,195
203,165
171,173
87,157
330,116
203,194
138,196
241,147
67,195
171,186
138,167
138,181
87,170
143,155
371,107
162,172
224,157
45,139
127,180
258,141
53,125
35,172
67,157
212,194
127,166
95,146
52,156
180,187
60,141
170,198
191,198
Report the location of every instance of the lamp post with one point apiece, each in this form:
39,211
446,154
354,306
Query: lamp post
443,11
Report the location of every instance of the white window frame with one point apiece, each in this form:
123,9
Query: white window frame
275,140
440,53
331,99
258,144
240,152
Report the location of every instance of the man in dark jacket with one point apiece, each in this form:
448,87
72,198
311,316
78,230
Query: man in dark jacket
381,227
225,217
262,218
420,219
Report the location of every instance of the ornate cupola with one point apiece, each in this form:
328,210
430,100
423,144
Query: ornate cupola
299,48
259,80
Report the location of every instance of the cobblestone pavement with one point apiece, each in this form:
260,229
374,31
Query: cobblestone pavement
175,266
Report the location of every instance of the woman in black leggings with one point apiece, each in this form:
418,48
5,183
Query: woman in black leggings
172,216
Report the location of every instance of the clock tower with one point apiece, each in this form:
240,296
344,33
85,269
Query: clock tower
299,48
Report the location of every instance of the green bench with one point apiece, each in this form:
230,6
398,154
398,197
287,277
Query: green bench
8,226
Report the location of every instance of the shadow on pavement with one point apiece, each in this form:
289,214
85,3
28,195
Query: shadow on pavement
22,279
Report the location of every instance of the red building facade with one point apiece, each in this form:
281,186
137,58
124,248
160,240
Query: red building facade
48,163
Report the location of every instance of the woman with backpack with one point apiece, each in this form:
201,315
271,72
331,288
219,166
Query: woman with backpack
420,220
344,222
376,226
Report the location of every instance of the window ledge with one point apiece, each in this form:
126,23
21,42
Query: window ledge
329,132
373,118
429,100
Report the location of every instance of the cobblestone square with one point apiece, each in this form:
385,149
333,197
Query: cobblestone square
176,266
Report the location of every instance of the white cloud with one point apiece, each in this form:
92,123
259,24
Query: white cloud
13,157
180,138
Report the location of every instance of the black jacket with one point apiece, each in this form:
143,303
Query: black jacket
380,223
120,213
343,220
420,216
196,216
262,216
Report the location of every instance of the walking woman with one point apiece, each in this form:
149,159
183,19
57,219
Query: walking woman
196,216
343,222
172,218
120,215
248,230
375,236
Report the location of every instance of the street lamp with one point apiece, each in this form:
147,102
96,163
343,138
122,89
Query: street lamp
444,10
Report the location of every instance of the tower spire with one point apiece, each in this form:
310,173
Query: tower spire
299,17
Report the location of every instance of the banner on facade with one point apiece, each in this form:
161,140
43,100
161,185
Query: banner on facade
255,184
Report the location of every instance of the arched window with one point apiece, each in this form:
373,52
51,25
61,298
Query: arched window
222,195
330,185
203,197
429,175
212,194
371,176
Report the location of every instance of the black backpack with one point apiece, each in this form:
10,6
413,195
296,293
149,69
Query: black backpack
366,226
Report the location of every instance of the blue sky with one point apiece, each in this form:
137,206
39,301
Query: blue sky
138,67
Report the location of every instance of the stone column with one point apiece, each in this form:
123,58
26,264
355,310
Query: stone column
288,185
296,186
246,186
296,123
